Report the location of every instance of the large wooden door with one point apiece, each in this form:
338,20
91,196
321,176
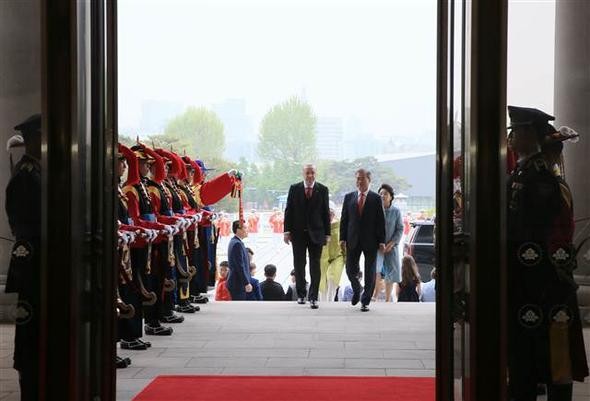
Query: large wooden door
77,347
470,198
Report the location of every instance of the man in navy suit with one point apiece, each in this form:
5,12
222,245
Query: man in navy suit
362,230
307,227
238,281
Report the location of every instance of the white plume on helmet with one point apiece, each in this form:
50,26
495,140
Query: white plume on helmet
15,141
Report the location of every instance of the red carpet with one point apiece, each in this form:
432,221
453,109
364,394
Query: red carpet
288,388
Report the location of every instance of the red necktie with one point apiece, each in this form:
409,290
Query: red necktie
308,192
361,203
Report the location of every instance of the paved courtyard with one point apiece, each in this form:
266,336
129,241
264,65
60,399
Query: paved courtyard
279,338
283,338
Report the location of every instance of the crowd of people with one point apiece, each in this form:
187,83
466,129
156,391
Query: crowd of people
305,217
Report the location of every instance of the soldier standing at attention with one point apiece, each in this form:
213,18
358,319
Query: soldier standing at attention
539,350
23,208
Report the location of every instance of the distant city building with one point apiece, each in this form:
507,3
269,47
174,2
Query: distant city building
155,114
240,137
329,138
362,146
358,142
419,170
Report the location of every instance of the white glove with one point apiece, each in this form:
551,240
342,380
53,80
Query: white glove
146,234
169,230
120,239
123,239
179,226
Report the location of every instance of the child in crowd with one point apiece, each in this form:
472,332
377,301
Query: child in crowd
221,292
408,290
255,295
271,290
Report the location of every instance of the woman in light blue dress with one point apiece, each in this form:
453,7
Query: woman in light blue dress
388,262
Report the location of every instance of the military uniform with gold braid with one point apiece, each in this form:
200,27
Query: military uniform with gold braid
23,208
141,213
537,293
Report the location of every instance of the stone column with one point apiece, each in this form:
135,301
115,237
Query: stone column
20,96
572,108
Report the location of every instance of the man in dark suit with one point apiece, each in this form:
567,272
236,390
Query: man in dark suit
307,227
362,230
238,281
271,290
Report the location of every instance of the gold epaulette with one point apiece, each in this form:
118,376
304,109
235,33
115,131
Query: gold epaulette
127,189
566,194
197,192
183,196
155,191
122,196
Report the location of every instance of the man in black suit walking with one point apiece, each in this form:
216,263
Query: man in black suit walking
307,227
362,230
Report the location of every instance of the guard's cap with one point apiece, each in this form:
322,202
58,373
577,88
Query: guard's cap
202,166
140,153
30,126
527,116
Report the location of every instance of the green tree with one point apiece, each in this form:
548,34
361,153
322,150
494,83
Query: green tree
126,140
288,133
221,166
198,132
339,176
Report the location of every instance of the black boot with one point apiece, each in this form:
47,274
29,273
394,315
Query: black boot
121,363
559,392
134,344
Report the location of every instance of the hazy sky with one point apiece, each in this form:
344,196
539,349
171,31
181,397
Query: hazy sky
372,59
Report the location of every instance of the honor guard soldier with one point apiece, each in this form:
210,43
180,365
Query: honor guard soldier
185,272
23,208
189,201
134,240
166,255
537,307
141,213
209,192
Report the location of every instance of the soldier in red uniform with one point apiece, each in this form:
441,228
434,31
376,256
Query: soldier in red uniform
276,221
209,192
253,220
223,225
181,209
189,201
141,213
168,257
136,241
